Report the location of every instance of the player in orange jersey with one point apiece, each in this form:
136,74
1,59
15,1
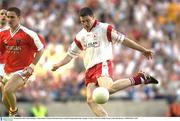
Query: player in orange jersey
22,48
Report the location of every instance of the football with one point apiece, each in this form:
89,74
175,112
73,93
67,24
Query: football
100,95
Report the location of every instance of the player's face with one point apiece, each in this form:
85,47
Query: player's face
12,19
3,16
87,22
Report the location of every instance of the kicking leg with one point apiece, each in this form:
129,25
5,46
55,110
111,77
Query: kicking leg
139,78
105,81
97,109
108,83
120,85
9,91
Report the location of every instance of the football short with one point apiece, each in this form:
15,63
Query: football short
98,70
6,77
1,70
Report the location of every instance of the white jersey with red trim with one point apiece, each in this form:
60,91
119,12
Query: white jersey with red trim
96,44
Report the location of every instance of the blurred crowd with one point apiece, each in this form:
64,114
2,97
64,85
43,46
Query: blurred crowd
153,23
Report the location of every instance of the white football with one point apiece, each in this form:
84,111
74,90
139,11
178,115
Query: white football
100,95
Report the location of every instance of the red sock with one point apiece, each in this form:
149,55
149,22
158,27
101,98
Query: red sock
137,79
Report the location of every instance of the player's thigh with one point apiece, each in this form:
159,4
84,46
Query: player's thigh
2,89
1,73
105,81
14,83
89,90
1,83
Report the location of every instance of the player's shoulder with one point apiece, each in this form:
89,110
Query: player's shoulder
4,32
80,34
4,29
103,25
27,30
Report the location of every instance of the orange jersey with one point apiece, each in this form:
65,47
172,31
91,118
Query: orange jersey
19,48
1,54
1,58
42,40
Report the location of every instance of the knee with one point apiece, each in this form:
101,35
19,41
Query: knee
111,91
106,82
89,101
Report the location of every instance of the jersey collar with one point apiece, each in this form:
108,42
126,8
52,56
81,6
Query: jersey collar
15,31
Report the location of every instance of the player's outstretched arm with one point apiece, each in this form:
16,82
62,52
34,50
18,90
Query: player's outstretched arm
131,44
66,60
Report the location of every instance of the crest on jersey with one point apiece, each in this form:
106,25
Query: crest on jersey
18,41
92,44
92,40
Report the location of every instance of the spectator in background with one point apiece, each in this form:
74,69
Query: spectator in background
38,110
173,109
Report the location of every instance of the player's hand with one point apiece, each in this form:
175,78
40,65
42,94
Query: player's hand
148,54
55,67
27,72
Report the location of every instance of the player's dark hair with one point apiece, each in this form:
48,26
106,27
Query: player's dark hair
16,10
85,12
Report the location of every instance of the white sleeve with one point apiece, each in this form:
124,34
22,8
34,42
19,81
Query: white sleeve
34,37
74,50
117,37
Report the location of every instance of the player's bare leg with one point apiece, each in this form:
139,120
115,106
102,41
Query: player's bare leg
1,83
9,92
97,109
4,99
108,83
120,85
139,78
105,81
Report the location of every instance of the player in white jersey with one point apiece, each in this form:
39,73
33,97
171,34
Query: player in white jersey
96,40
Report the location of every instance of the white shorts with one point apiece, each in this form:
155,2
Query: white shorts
1,70
6,77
